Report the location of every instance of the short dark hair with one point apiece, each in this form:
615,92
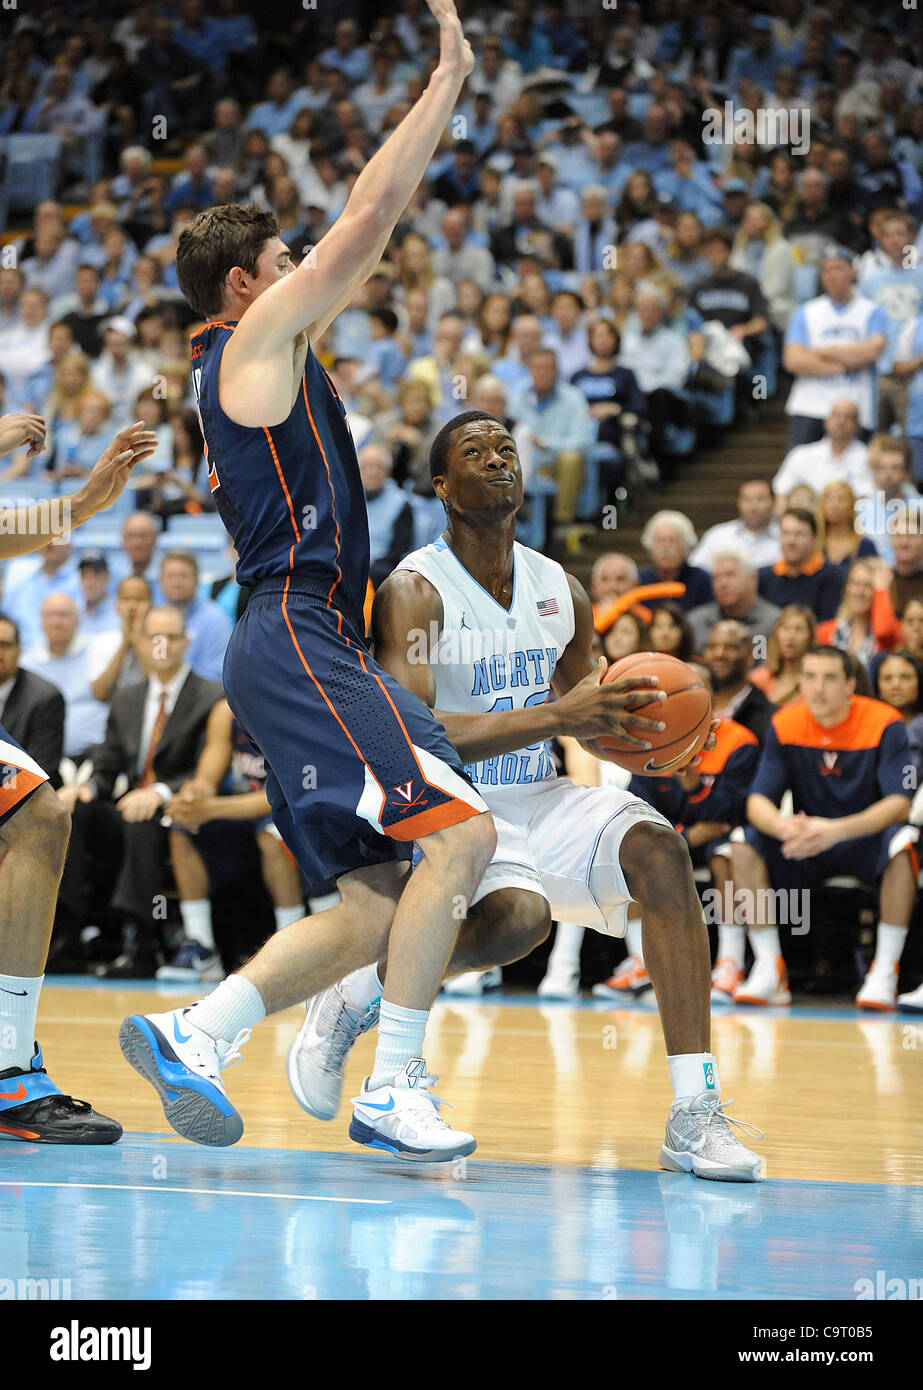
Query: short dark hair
439,452
846,659
801,514
750,482
386,317
216,240
722,234
5,618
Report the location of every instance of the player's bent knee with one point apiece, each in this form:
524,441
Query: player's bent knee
43,820
519,914
655,861
474,839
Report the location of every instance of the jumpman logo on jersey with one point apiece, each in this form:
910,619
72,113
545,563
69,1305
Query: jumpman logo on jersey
463,624
405,791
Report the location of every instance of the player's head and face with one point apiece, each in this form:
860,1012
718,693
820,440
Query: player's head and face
825,685
227,257
475,468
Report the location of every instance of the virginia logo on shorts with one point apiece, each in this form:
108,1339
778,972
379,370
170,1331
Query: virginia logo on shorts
406,794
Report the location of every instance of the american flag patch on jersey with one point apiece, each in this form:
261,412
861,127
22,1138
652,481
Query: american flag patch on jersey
547,606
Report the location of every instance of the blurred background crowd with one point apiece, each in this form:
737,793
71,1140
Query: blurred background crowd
647,227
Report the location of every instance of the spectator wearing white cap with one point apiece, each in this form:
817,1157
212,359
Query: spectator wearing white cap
120,374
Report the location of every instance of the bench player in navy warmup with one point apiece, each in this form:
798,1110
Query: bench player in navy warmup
359,769
34,830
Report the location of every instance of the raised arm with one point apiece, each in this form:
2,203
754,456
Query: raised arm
29,528
311,297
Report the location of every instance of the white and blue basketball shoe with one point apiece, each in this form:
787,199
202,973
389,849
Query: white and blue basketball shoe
403,1119
183,1064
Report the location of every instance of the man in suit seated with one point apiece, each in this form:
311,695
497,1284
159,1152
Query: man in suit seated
31,708
154,736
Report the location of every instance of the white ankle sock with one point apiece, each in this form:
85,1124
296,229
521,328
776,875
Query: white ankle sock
197,921
565,954
233,1005
732,942
889,943
400,1037
633,939
18,1008
691,1073
765,942
285,916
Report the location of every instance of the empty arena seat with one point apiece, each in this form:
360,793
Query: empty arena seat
33,164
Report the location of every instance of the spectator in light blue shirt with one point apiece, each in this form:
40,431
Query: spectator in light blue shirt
384,352
98,612
759,60
200,36
346,52
62,658
208,627
274,116
56,574
659,358
193,187
688,181
559,421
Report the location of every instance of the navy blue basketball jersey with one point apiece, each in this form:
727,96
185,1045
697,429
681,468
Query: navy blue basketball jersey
290,495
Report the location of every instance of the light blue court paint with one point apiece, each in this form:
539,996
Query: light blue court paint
153,1217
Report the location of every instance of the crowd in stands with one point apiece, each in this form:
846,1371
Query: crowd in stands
614,251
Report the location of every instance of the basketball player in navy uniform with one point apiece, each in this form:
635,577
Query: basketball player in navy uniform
35,828
483,630
358,767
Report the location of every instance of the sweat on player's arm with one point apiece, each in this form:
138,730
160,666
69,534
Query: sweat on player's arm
407,611
31,527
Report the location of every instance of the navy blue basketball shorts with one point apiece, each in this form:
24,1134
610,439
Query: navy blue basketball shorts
20,775
865,859
357,767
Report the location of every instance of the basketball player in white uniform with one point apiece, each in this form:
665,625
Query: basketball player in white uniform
483,630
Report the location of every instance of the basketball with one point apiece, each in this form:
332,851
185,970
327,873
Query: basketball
686,712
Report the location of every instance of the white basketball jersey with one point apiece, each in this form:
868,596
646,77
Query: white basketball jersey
488,658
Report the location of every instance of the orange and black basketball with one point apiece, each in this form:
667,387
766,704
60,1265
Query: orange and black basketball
686,712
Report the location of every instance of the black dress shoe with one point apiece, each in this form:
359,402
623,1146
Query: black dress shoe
135,963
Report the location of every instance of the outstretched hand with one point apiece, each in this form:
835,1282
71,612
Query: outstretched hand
455,52
111,470
20,428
